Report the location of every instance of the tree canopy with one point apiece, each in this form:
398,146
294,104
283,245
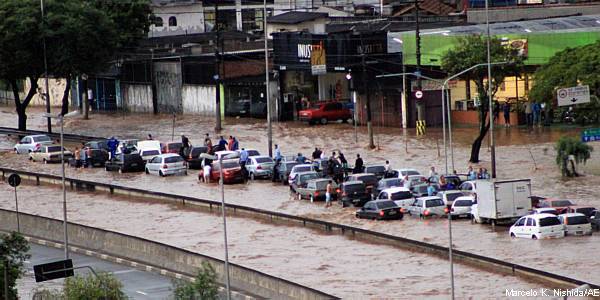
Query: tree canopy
13,251
472,50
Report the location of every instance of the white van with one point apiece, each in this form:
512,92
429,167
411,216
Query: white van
538,226
576,224
148,149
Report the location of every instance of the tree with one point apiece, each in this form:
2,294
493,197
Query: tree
567,146
105,286
204,286
20,48
472,50
13,251
567,68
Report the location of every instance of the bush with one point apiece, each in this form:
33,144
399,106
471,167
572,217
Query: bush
567,146
13,251
106,287
204,286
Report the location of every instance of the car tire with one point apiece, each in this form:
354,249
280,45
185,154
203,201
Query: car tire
512,235
147,172
312,199
323,121
534,237
16,151
160,173
252,176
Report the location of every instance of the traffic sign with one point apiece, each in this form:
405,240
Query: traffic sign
590,135
419,94
14,180
573,95
53,270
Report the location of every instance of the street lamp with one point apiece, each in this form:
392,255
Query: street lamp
61,118
214,157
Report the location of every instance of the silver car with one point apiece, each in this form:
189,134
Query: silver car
259,166
32,143
427,206
166,164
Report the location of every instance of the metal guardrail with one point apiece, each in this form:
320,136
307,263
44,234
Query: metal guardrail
463,256
66,136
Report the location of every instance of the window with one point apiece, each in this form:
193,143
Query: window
521,222
158,22
25,140
549,221
529,222
173,159
401,195
383,195
172,21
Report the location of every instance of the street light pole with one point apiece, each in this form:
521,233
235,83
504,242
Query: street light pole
227,283
450,254
64,188
490,97
269,122
47,94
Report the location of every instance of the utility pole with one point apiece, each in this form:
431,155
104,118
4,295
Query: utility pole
420,103
368,97
490,96
268,94
47,94
218,70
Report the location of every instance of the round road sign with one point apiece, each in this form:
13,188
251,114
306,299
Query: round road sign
562,93
419,94
14,180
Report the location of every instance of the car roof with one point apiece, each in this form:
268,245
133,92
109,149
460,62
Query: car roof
416,176
260,156
37,135
448,192
541,216
429,198
545,208
375,165
572,215
303,165
396,189
167,155
227,160
307,172
353,182
362,174
320,179
224,152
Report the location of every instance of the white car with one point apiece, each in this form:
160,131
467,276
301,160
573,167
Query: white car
260,166
400,195
544,210
297,169
405,172
449,196
468,187
414,180
576,224
219,154
427,206
32,143
538,226
166,164
251,152
148,149
461,207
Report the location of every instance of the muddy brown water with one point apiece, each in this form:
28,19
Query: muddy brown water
332,263
521,153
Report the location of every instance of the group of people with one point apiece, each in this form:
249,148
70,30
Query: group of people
482,173
83,157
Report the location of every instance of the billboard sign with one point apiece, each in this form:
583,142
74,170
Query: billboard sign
573,95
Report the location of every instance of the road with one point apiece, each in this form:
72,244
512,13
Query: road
136,284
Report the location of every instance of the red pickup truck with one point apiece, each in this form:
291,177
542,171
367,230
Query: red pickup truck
325,112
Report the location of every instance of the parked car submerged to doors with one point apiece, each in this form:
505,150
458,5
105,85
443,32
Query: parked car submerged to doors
50,154
537,226
166,164
31,143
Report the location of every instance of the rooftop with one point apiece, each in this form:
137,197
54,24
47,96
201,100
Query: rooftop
296,17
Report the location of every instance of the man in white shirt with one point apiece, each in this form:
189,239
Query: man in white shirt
432,172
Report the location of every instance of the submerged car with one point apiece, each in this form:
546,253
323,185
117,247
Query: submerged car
301,179
576,224
427,206
537,226
166,164
259,166
284,170
380,210
193,157
31,143
126,163
400,195
354,193
50,153
316,188
232,171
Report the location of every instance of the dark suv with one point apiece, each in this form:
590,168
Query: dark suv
126,163
369,179
355,193
192,156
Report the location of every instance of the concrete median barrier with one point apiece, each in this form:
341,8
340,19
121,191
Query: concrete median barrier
156,256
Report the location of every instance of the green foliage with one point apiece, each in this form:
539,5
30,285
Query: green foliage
106,287
568,68
567,146
204,286
13,251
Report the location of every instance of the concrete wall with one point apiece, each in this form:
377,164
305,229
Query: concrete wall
155,254
198,99
528,13
169,82
137,97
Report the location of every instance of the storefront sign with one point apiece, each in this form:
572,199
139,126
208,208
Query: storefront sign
318,63
573,95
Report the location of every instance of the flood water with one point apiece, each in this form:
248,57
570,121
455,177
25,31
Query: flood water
331,263
521,154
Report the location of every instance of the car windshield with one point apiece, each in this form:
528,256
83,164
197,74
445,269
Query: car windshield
306,177
54,149
586,210
289,165
150,152
434,203
549,221
561,203
173,159
253,153
197,151
230,164
175,145
410,172
577,220
321,185
375,169
463,203
302,169
368,179
42,138
357,187
451,197
385,204
393,182
261,160
401,195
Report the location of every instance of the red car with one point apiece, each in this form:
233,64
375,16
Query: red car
171,147
325,112
561,206
232,172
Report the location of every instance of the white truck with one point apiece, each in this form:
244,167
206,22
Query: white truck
500,201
